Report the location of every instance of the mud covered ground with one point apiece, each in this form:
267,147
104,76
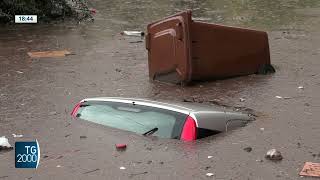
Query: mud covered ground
36,96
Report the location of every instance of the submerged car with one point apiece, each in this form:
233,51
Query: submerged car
187,122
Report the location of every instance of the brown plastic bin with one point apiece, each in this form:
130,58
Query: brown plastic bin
183,50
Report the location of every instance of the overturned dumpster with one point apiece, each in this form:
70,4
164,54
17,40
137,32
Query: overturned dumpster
181,50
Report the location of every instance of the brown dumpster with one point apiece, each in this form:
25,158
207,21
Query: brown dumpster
183,50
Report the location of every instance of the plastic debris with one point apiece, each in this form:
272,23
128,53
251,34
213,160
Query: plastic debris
310,169
261,129
17,135
4,144
83,137
58,166
300,87
248,149
93,11
274,155
132,33
91,171
122,168
209,157
121,147
242,99
19,72
209,174
280,97
42,54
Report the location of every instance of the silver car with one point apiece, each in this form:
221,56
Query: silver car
187,121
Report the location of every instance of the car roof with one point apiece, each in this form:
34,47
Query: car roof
181,107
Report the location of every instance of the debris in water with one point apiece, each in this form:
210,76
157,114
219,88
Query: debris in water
93,11
248,149
121,147
274,155
132,33
135,41
310,169
4,144
17,135
135,174
300,87
209,174
118,70
122,168
91,171
242,99
280,97
52,113
42,54
209,157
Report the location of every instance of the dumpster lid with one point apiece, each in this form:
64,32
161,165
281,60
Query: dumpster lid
168,45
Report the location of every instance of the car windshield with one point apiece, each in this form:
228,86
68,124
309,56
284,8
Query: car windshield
135,118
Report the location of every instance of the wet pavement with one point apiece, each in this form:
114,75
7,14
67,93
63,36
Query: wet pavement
37,95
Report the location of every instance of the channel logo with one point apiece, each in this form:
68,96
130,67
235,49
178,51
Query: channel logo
27,154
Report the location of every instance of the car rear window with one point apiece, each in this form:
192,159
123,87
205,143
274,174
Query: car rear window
134,118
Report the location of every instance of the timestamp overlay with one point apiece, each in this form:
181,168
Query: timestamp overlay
26,19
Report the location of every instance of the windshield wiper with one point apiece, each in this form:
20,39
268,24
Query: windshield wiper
150,132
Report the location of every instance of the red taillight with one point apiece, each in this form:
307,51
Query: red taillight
189,132
75,109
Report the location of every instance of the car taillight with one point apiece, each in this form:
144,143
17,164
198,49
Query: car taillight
75,109
189,131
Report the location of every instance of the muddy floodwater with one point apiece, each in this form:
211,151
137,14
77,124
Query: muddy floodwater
37,95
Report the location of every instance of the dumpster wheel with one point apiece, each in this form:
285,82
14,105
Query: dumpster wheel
266,69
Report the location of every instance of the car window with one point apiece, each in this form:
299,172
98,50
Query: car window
135,118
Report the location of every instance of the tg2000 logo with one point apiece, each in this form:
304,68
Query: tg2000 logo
27,154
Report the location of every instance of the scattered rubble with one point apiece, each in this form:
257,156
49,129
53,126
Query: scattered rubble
274,155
